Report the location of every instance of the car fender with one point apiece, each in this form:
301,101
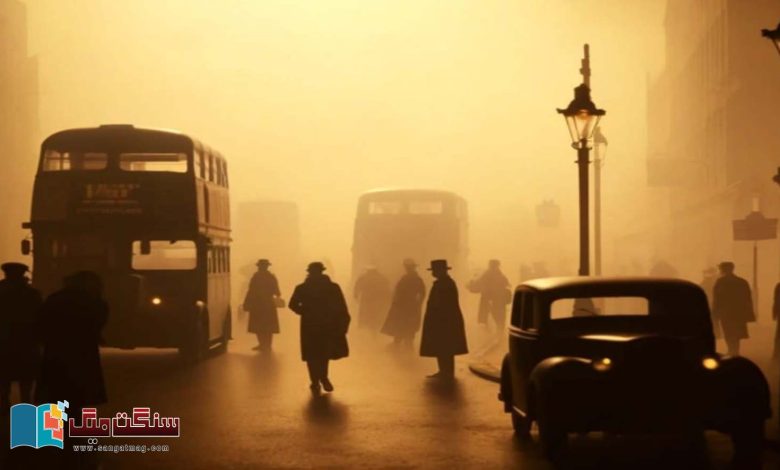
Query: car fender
742,386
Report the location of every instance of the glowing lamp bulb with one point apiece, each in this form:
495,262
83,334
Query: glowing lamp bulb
710,363
602,365
156,301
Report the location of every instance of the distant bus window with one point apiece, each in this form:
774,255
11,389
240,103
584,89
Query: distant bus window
165,255
54,160
426,207
384,207
170,162
198,163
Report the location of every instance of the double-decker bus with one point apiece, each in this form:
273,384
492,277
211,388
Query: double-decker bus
147,210
409,223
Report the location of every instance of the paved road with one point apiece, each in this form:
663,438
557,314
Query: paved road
245,410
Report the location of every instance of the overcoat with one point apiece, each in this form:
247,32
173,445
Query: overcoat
324,318
260,304
443,331
405,314
732,306
71,322
19,347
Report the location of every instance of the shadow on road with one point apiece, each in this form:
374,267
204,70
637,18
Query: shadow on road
325,411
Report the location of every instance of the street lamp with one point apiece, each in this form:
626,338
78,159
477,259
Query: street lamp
582,118
600,149
773,35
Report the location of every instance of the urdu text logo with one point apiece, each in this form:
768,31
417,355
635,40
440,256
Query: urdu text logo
38,426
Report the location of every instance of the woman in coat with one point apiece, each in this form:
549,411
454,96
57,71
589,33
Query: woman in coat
260,302
444,335
324,324
403,319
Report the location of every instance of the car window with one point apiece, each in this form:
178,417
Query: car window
599,306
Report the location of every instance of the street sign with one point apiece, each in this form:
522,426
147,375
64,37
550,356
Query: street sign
755,227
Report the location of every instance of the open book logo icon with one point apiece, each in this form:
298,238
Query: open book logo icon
38,426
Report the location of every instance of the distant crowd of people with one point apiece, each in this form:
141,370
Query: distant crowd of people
396,312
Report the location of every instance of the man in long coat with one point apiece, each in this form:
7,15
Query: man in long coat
403,319
324,324
732,306
444,335
372,291
493,287
261,301
19,352
71,322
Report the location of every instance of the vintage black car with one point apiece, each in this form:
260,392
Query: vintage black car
625,355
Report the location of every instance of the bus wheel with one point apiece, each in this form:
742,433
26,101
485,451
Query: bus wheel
195,345
227,333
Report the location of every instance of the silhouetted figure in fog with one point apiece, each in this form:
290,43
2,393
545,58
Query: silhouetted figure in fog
324,324
443,335
71,321
708,278
403,319
372,290
261,302
663,269
493,288
19,351
732,306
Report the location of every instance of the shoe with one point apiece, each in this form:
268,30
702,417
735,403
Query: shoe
327,385
315,389
437,375
257,348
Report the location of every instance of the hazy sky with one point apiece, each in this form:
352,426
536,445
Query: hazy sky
317,101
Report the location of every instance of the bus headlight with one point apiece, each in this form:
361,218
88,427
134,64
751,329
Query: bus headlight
156,301
602,365
710,363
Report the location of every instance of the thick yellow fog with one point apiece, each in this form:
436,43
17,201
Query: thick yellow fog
318,101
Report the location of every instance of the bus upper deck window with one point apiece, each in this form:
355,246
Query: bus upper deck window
62,161
198,163
384,207
426,207
165,162
54,160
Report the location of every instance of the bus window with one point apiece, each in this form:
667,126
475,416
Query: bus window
210,167
219,172
384,207
198,162
170,162
426,207
54,160
224,167
165,255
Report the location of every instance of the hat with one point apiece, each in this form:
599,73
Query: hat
439,264
263,262
14,268
494,262
315,267
409,262
726,265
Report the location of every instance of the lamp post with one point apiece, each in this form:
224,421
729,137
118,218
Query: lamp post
773,35
582,117
600,150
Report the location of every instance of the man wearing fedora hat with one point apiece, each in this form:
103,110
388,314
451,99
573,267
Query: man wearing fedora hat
19,352
403,318
261,301
444,335
324,324
732,306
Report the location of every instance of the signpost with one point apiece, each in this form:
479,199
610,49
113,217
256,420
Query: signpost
755,227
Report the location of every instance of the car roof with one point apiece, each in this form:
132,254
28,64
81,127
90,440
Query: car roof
596,284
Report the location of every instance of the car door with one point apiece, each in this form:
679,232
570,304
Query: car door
523,345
